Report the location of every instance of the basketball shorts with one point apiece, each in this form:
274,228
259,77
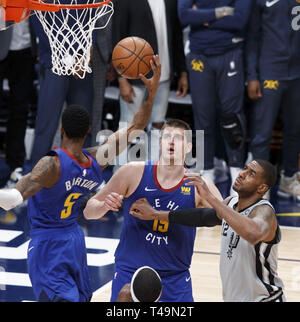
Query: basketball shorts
57,265
176,287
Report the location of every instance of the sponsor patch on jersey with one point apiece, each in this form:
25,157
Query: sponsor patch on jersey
186,190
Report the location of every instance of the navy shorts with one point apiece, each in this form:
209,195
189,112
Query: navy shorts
57,265
176,287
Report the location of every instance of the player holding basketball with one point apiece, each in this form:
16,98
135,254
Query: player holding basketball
57,262
250,232
165,247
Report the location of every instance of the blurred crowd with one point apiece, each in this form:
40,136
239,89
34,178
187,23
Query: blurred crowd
237,60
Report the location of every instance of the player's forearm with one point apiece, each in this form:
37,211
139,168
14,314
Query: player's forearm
28,187
196,217
141,118
243,226
160,215
94,209
119,141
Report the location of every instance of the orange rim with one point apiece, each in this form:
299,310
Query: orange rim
40,6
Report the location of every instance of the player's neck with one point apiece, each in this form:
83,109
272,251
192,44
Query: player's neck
74,147
246,201
169,173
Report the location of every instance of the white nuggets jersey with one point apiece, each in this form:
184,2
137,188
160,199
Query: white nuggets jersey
248,272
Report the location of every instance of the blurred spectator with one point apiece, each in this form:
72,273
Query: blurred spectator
216,75
102,49
273,76
157,22
17,59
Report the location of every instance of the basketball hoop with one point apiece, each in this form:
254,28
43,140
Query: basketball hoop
69,25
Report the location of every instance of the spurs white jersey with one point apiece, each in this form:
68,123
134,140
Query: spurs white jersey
248,272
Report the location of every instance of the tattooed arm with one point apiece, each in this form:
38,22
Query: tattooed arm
45,174
118,142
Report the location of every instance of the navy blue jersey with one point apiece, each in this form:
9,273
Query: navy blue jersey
219,36
273,41
59,206
165,247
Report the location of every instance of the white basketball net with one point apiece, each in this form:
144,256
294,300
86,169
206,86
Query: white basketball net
70,34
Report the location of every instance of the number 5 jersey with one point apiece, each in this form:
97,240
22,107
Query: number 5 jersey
57,259
59,206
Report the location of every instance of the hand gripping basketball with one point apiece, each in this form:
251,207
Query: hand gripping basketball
131,57
153,82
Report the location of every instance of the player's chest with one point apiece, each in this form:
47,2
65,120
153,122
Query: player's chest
183,197
233,246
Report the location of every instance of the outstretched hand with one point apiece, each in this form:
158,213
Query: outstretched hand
153,82
142,209
196,180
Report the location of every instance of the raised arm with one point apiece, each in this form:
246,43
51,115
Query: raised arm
45,174
261,224
118,141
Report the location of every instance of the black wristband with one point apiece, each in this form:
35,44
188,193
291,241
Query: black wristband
196,217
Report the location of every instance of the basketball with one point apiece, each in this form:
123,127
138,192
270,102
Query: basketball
131,57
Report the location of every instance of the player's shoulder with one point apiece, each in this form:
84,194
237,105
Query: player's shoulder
133,165
131,169
48,162
127,177
264,210
47,170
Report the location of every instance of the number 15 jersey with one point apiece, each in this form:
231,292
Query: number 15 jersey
165,247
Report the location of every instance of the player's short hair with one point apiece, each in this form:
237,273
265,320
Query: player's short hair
145,285
270,172
179,124
75,121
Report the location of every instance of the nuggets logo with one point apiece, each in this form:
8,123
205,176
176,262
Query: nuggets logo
197,65
271,84
186,190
